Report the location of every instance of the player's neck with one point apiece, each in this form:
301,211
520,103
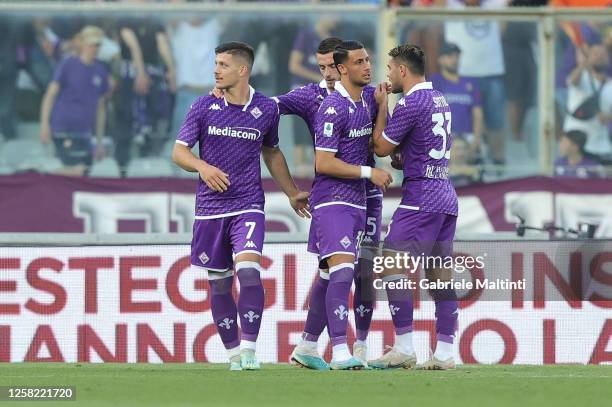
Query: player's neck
411,83
453,77
354,91
239,94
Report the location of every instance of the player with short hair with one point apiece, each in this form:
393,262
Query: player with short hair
304,102
232,133
343,126
424,222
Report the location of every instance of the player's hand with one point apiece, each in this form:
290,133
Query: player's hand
214,178
381,94
381,178
45,133
299,203
142,84
218,93
397,161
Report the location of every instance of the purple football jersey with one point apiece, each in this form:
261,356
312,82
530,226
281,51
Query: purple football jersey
81,87
462,96
344,128
305,101
230,138
421,124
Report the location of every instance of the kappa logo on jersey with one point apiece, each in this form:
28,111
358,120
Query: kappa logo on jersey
97,81
256,112
402,102
203,257
345,242
328,129
214,106
351,110
250,245
331,110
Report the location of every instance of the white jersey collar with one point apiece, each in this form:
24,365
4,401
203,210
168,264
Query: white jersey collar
342,91
419,86
251,93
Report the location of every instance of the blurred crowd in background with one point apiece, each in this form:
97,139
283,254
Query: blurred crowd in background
105,94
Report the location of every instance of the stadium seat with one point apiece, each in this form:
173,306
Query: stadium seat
105,168
14,152
39,163
150,167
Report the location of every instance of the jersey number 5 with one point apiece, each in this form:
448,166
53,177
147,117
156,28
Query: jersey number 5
438,130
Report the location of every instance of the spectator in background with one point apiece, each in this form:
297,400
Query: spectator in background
518,42
11,56
73,108
573,163
304,69
588,106
464,98
483,61
143,101
460,168
193,46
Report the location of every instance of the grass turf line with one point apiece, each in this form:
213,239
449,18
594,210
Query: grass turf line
284,385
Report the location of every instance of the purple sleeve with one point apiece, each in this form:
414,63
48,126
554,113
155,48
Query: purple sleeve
294,102
190,130
60,72
271,137
329,126
399,124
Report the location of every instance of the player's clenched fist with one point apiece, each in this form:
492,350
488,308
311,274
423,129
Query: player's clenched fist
397,161
216,179
381,178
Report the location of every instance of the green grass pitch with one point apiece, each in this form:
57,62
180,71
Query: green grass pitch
285,385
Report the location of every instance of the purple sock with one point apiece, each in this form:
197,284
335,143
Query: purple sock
363,305
446,314
317,317
251,300
223,309
336,301
400,306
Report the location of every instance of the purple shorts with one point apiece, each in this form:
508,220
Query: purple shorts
419,232
373,219
215,240
336,229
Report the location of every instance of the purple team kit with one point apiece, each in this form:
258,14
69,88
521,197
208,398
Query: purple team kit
237,215
305,102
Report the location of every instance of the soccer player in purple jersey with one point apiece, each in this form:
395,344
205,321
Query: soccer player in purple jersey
424,223
304,102
232,133
343,128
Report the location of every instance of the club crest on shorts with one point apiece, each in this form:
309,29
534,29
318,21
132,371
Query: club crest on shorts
256,112
345,242
203,257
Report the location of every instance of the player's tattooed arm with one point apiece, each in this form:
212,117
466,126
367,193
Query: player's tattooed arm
277,165
214,178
